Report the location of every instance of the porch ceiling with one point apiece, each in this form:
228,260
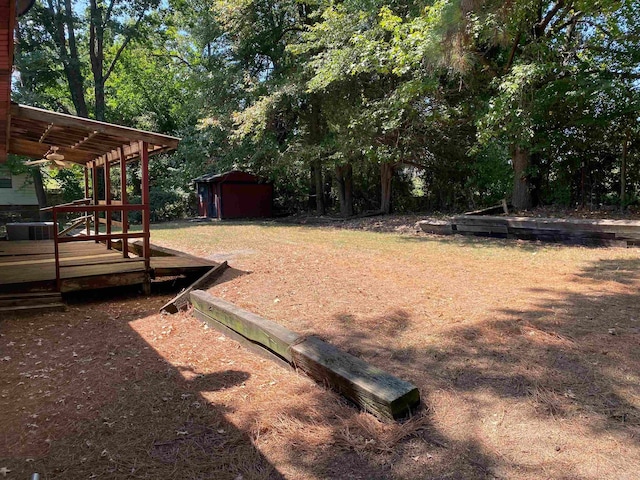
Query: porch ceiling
33,131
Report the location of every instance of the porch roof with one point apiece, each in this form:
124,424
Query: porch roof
34,131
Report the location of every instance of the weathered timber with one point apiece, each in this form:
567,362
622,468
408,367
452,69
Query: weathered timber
502,207
98,260
272,336
173,266
255,347
160,252
368,387
49,307
181,300
74,224
572,231
31,303
479,220
95,282
30,299
435,226
492,230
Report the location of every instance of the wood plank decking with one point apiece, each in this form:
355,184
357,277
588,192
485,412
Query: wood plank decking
30,266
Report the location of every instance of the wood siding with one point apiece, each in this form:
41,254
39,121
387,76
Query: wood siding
22,191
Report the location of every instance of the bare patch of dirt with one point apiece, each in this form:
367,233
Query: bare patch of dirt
526,355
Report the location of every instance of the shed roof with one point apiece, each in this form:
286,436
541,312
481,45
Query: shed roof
33,131
232,175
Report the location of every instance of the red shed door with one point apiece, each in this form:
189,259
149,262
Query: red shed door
251,200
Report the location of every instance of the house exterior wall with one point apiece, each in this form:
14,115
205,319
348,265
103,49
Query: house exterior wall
22,191
7,19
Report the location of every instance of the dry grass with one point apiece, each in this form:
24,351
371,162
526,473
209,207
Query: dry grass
526,356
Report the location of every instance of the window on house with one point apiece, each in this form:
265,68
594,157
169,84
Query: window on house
5,178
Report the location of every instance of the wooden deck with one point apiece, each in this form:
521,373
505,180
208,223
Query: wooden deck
30,266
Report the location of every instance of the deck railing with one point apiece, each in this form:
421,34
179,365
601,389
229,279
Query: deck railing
90,212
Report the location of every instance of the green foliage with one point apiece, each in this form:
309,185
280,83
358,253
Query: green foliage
71,183
443,90
167,205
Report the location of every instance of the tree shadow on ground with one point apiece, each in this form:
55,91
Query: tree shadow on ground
91,381
481,242
85,396
574,357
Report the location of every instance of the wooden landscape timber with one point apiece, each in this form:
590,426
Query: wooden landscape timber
619,233
435,226
502,207
368,387
181,300
259,330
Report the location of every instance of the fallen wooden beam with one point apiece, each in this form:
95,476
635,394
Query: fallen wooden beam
255,347
368,387
251,326
75,224
502,207
371,388
181,300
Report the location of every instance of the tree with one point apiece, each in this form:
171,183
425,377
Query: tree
67,32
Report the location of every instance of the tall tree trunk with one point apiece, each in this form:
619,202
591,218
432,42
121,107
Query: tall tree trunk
522,198
623,173
386,175
100,100
344,177
311,204
319,184
61,28
96,54
38,184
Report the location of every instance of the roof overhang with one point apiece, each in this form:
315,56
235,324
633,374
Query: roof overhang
23,6
33,131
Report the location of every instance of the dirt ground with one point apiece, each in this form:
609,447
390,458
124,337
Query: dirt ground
526,356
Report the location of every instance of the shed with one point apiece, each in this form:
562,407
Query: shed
234,194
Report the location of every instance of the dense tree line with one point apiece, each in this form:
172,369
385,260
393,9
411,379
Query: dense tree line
359,105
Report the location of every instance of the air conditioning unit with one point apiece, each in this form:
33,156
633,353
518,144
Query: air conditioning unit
30,231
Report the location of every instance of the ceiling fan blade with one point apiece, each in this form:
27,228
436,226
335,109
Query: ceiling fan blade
64,164
36,162
54,156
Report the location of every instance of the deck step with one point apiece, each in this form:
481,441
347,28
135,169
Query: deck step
49,307
32,302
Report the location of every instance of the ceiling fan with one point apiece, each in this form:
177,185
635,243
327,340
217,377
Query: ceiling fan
53,158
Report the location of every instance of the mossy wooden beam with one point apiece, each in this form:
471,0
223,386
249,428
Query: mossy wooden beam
255,347
272,336
371,388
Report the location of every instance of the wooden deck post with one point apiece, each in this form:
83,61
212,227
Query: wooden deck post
124,201
94,181
87,222
56,249
107,195
146,209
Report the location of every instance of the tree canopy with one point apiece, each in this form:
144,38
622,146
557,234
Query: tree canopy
359,105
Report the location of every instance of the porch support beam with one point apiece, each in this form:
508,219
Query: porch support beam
123,199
